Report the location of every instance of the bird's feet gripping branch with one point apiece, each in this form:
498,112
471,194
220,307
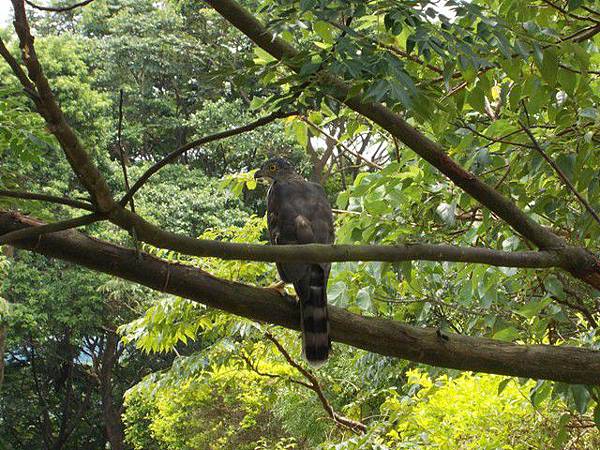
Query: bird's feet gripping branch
298,212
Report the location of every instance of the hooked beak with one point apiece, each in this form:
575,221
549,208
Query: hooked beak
259,174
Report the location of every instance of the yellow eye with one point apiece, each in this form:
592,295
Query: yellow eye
272,167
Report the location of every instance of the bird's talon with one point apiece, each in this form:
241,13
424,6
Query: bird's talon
278,286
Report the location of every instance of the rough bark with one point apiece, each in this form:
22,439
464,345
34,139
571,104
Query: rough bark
3,332
111,412
386,337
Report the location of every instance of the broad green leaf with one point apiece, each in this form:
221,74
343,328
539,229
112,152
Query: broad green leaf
325,31
549,67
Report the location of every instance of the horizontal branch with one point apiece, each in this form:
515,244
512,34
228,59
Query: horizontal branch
158,237
578,261
386,337
48,198
203,140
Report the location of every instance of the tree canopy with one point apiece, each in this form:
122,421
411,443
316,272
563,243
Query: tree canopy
458,144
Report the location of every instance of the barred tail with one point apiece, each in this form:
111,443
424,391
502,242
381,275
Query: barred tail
314,317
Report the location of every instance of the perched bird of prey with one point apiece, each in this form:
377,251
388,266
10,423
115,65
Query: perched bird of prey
298,212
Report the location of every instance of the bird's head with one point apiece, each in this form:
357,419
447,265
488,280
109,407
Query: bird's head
276,169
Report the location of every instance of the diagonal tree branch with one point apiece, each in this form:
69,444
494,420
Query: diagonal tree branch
386,337
47,106
17,69
393,123
560,173
315,386
203,140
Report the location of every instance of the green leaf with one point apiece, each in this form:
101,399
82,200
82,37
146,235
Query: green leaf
363,299
568,81
581,397
476,99
588,113
447,213
549,68
540,392
554,287
263,57
533,308
325,31
507,334
342,199
502,385
301,131
574,4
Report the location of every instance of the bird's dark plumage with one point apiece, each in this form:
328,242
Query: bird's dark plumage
298,212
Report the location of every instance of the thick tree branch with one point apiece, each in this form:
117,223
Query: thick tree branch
393,123
329,253
47,106
391,338
203,140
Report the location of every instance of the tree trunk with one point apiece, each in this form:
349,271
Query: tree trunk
111,413
9,253
3,330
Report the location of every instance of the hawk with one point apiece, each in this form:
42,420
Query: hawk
298,212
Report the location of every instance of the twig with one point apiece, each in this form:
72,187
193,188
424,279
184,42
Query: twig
501,180
122,151
560,173
500,140
203,140
567,13
583,34
315,386
58,8
123,156
48,198
28,233
272,375
590,10
344,146
576,306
